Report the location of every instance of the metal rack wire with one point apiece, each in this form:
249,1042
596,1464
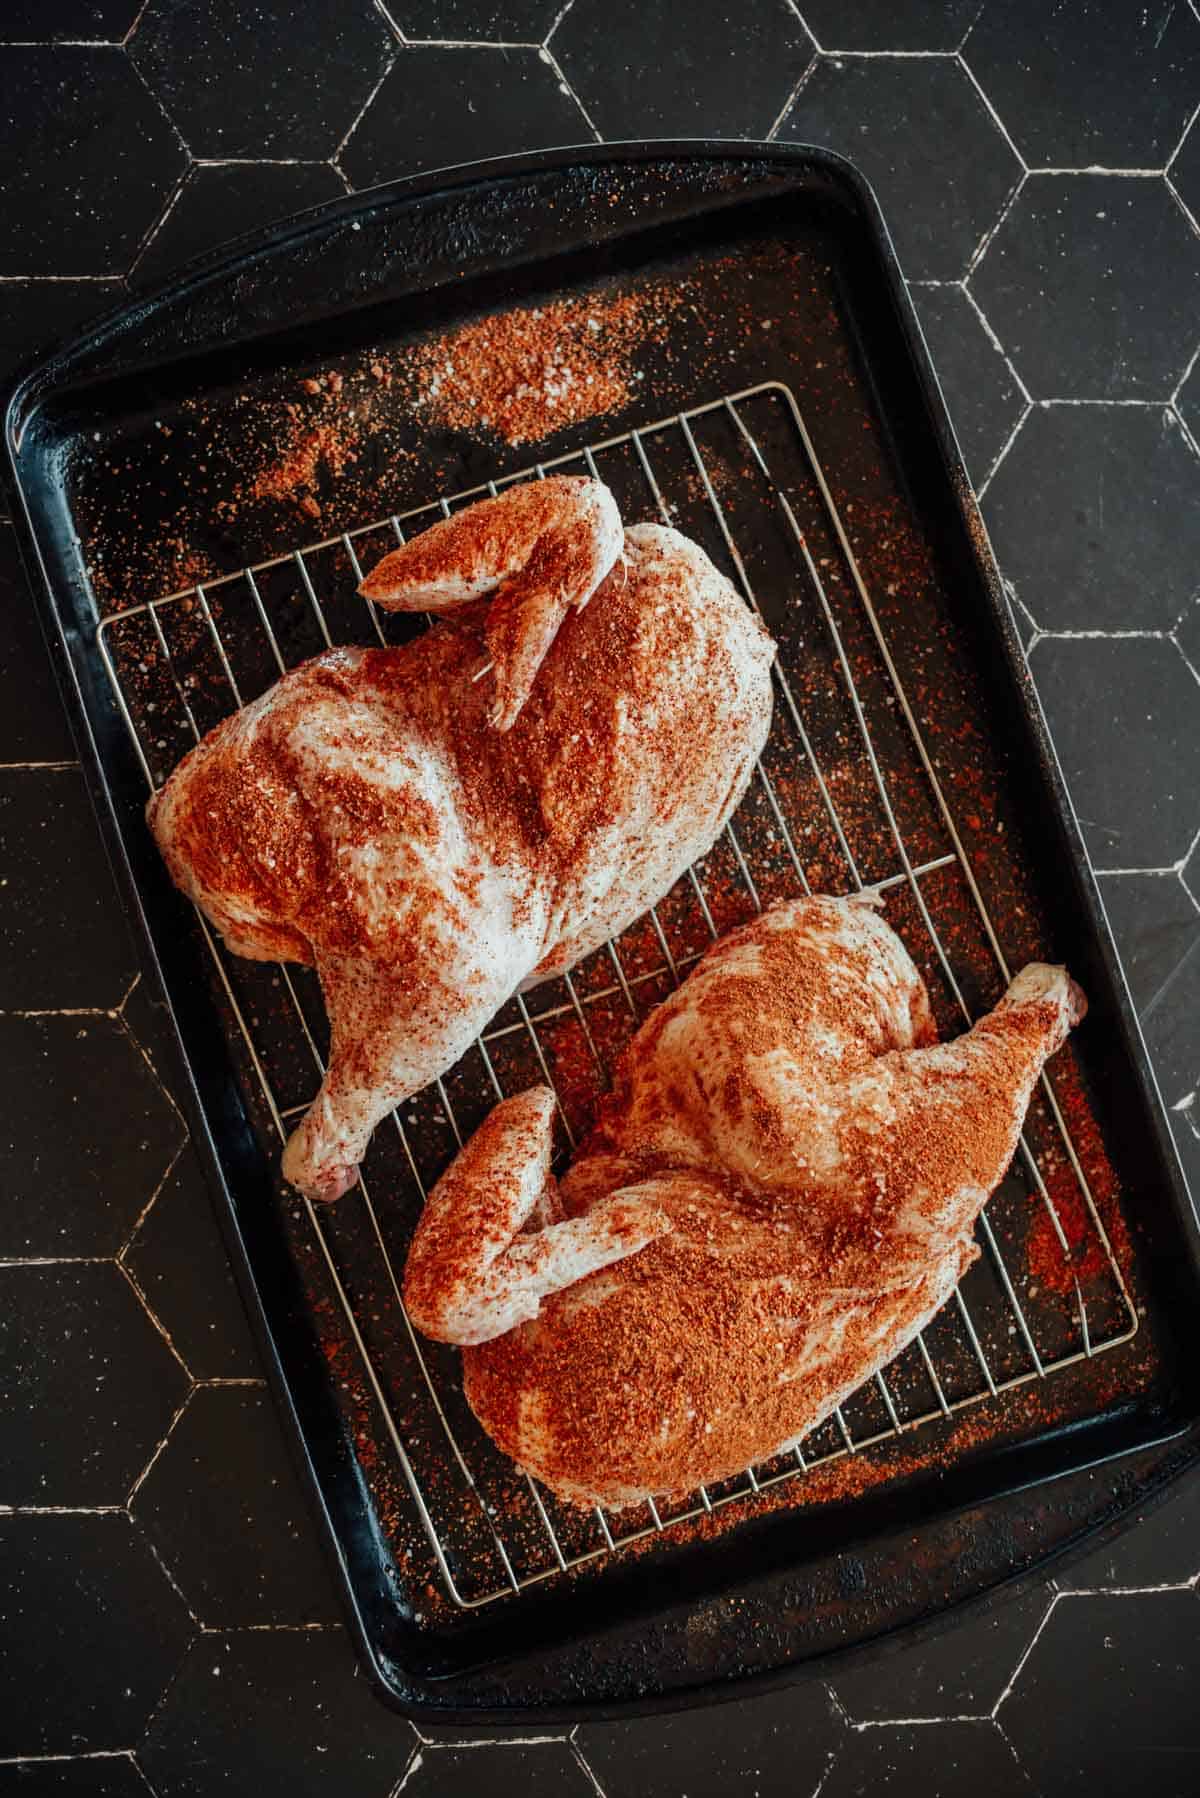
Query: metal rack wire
492,1532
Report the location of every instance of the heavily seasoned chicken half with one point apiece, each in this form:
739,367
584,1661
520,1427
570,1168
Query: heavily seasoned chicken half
436,826
779,1192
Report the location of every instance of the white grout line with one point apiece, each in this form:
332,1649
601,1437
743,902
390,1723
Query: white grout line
150,235
920,1722
357,120
584,1768
1003,452
1001,127
547,56
392,24
986,322
47,767
1055,1600
981,248
148,1207
63,1511
167,1574
134,1286
794,95
557,20
1182,204
142,1477
53,1760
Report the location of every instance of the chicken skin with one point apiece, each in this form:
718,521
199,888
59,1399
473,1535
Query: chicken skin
437,826
777,1195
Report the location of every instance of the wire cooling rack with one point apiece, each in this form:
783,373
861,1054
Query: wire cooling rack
847,795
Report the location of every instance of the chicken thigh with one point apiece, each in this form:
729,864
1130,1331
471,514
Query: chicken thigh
434,827
777,1195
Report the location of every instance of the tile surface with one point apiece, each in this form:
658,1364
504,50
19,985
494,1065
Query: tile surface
90,1633
1155,922
115,158
1083,287
31,21
1095,517
784,1743
216,204
890,24
1064,285
727,75
919,132
955,1760
433,98
228,1518
983,396
179,1261
1083,82
477,21
82,1157
1107,1698
63,942
99,1776
958,1673
240,81
33,726
285,1710
101,1363
1140,691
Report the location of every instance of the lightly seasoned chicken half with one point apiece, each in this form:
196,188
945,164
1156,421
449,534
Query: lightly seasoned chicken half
777,1195
437,826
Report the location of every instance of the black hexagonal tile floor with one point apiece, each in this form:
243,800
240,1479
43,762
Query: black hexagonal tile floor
224,1508
921,135
83,1154
90,1633
983,399
84,114
646,71
1187,635
1172,1026
33,725
1064,284
549,1770
84,1776
287,1710
1185,1126
90,1385
440,106
1161,1548
1082,84
1095,517
786,1739
961,1671
36,315
87,21
63,936
1106,1703
890,24
221,202
477,21
1155,924
1125,717
251,81
1187,400
1185,171
955,1760
179,1261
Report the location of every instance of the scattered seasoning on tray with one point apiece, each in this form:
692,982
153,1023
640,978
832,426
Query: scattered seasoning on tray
523,375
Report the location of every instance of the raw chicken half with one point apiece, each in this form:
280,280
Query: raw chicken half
435,826
778,1194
